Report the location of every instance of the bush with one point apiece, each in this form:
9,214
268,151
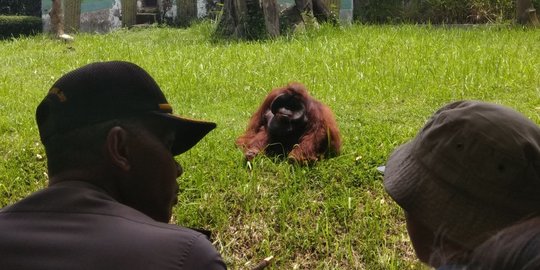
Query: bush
382,11
14,26
438,11
20,7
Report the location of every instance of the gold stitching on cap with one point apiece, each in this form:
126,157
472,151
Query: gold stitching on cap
59,93
165,107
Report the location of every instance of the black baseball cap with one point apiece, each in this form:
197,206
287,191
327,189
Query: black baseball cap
104,91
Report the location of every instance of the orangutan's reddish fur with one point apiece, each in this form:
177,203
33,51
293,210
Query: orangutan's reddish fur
320,136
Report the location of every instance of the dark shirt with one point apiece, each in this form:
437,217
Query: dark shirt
75,225
452,267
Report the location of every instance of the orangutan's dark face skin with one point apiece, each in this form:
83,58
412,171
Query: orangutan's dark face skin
286,117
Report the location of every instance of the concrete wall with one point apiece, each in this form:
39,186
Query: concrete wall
105,15
96,15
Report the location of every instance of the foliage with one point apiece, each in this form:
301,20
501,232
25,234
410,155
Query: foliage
14,26
437,11
254,21
20,7
382,83
383,11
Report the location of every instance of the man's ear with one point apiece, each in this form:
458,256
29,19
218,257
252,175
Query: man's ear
117,148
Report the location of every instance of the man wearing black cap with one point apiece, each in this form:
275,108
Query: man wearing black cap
110,138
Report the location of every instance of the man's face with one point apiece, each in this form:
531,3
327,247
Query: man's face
421,238
151,186
430,248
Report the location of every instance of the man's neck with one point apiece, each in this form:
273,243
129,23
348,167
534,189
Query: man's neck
91,177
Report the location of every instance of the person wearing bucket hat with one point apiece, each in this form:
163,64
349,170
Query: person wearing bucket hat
473,169
110,137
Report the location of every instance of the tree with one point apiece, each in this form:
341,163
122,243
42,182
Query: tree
306,13
259,19
57,18
242,19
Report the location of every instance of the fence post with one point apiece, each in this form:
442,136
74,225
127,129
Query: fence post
72,15
346,12
129,12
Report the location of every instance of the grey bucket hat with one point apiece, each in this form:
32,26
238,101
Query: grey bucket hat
474,168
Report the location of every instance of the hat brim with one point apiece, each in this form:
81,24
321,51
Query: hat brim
448,211
188,131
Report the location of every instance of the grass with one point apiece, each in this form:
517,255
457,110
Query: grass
382,83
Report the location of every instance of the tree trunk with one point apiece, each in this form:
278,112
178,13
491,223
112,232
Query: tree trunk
57,18
248,19
229,26
244,19
255,20
306,13
72,18
187,11
322,12
271,17
525,13
129,12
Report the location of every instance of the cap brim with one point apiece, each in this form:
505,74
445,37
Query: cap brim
188,132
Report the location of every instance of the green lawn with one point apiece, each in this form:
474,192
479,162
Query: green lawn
382,83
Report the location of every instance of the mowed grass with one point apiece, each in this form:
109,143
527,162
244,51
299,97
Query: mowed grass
382,83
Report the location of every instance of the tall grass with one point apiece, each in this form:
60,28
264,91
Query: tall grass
382,83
